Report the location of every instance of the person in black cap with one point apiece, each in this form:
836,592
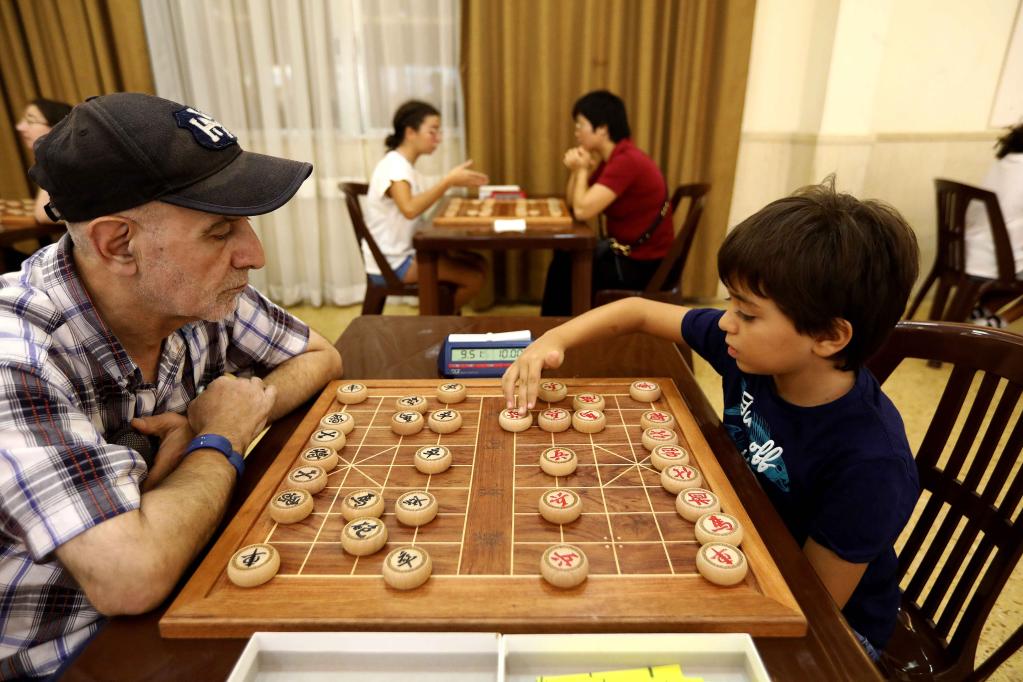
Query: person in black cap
137,325
38,119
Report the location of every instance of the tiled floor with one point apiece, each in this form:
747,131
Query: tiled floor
913,388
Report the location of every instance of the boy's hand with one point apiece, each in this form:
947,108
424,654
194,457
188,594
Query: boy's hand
547,351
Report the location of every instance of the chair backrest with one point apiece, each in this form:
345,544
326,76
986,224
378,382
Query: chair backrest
953,199
963,547
352,192
669,274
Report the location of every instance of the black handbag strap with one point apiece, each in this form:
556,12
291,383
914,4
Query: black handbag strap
626,249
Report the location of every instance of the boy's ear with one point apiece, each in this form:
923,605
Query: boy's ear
828,343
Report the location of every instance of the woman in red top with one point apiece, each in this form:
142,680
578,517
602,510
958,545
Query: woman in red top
609,175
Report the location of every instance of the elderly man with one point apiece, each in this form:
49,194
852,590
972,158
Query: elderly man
138,327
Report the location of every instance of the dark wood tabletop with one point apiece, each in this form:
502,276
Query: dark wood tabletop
386,347
430,242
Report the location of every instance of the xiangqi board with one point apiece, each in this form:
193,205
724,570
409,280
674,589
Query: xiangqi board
488,537
549,213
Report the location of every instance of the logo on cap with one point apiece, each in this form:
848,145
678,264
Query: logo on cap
206,130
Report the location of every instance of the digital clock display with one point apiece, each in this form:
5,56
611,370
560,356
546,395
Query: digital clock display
485,354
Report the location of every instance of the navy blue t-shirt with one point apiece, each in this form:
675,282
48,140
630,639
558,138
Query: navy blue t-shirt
841,473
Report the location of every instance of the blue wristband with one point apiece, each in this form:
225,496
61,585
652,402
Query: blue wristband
222,445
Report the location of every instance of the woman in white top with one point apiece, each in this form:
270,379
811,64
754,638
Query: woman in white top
397,200
39,117
1005,179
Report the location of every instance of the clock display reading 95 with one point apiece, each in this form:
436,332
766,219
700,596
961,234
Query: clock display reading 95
485,354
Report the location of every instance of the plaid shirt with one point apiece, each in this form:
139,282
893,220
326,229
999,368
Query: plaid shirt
66,386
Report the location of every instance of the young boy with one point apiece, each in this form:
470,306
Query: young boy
816,282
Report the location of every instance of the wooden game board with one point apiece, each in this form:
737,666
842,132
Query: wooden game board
17,212
545,214
486,562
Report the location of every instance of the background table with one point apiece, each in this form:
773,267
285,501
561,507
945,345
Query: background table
431,241
385,347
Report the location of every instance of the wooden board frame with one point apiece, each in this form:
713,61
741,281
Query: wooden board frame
492,589
505,209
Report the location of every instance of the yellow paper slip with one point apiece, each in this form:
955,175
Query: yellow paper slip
660,673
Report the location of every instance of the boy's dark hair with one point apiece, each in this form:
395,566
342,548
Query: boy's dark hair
411,114
823,256
603,108
52,110
1011,142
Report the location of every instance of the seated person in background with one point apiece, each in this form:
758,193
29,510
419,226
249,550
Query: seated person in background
109,336
1005,179
39,118
398,198
609,175
816,281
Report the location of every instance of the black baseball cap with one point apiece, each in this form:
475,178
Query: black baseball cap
123,150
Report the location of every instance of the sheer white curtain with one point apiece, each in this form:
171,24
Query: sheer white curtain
315,80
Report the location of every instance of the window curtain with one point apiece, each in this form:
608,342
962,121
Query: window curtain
65,50
316,81
680,67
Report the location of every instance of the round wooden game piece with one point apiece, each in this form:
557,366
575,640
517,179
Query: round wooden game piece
445,421
411,403
364,536
587,420
253,565
308,477
328,438
657,436
721,563
552,391
432,459
588,401
362,504
406,568
514,419
352,394
645,391
652,418
451,393
339,420
693,503
407,423
554,419
665,455
719,527
558,461
679,477
323,457
291,506
560,506
416,508
564,566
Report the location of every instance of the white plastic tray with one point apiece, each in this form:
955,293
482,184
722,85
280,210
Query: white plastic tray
487,657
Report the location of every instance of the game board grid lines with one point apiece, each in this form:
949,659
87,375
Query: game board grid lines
472,473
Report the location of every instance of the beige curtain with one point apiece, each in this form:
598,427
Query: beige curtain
65,50
680,66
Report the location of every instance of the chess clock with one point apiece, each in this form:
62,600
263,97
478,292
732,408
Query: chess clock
480,355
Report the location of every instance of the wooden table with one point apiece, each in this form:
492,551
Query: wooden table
384,347
19,224
430,242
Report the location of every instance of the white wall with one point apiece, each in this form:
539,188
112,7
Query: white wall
888,94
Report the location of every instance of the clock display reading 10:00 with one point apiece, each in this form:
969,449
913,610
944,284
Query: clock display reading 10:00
485,354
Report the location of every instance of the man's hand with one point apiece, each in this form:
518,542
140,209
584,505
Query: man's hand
546,352
577,158
175,433
237,409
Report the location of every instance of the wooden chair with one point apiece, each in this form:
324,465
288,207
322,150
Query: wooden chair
376,294
949,269
666,283
953,576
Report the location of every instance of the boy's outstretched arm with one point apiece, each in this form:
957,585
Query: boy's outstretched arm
614,319
839,576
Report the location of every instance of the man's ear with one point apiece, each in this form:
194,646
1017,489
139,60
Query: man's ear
111,239
832,341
